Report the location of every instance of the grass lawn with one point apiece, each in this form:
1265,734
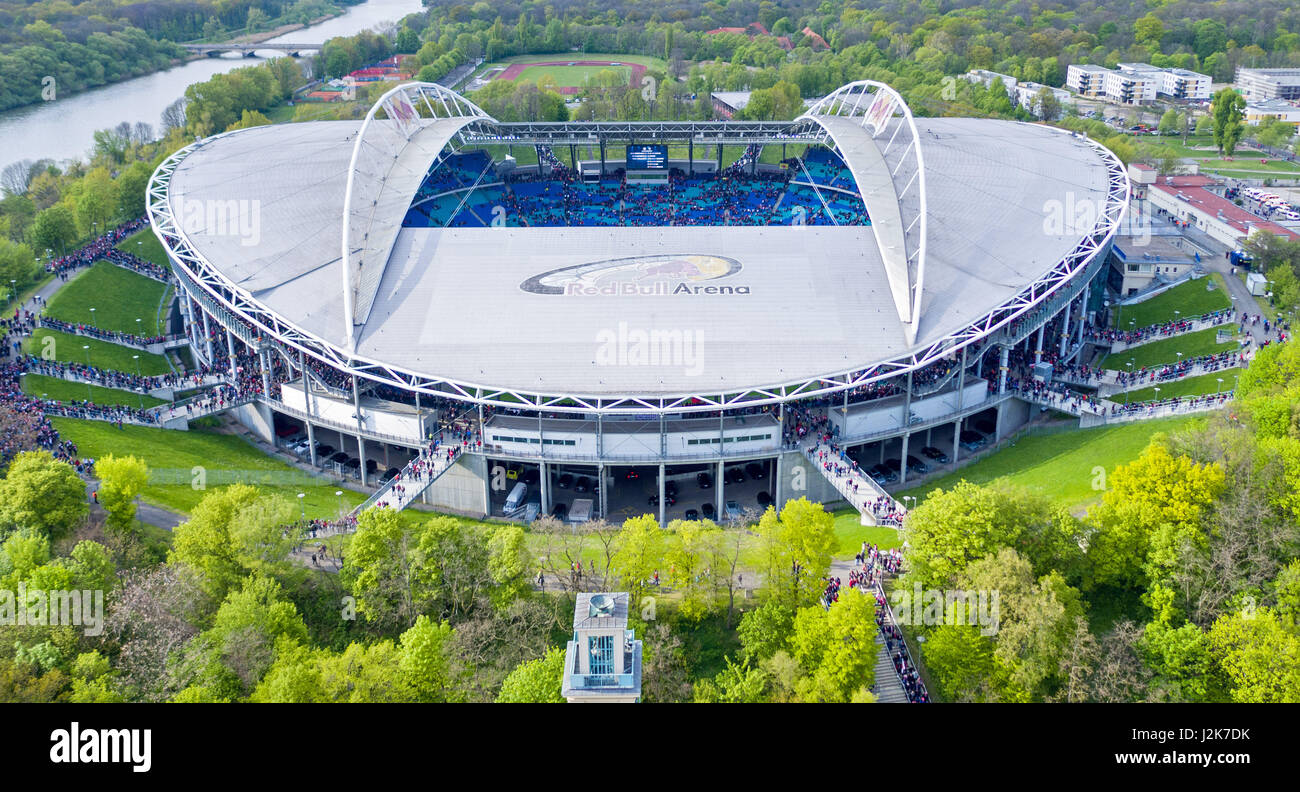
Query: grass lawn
1060,465
220,455
851,533
573,76
1188,386
63,390
1191,298
566,57
1158,353
68,349
111,298
145,244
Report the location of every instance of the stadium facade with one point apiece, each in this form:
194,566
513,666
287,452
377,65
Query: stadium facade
635,322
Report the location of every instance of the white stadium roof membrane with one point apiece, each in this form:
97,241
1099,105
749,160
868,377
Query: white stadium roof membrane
450,303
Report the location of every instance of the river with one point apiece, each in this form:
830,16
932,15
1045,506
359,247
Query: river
62,129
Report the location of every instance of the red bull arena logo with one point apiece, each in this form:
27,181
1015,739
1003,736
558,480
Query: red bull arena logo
666,275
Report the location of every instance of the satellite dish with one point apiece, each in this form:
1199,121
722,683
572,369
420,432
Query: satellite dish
602,605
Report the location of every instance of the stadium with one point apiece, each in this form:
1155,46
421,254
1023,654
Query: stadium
636,322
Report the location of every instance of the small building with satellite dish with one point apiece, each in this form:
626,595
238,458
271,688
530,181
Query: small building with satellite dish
603,661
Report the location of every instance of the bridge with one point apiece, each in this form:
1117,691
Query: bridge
250,50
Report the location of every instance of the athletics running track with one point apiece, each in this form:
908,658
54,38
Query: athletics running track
515,69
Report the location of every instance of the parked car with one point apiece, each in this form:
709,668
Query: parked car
670,489
971,440
708,511
338,457
733,475
764,500
732,510
583,484
704,480
894,465
916,465
324,451
692,514
756,471
530,477
669,500
564,481
930,452
388,475
986,427
631,475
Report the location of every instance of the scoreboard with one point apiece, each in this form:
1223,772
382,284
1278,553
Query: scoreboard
647,157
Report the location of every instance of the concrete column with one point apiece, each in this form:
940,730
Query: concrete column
361,442
718,492
207,338
776,477
961,396
1065,329
230,352
265,358
487,487
545,478
604,492
902,474
1038,347
1002,369
662,495
311,442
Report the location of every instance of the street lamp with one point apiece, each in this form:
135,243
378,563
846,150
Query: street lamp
339,494
1220,381
302,508
1127,382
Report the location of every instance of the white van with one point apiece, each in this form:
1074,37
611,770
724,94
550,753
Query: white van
515,500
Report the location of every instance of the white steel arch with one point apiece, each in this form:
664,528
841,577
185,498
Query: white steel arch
390,157
878,109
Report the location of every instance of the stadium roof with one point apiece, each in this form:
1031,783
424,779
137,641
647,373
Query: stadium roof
451,302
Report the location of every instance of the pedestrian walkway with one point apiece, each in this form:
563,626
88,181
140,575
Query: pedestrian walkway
888,688
876,506
412,480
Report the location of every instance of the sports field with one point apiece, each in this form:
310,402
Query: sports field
572,73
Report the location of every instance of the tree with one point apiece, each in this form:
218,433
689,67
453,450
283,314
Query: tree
381,570
1228,109
120,481
738,683
836,647
1259,653
1152,506
42,493
53,229
247,626
17,263
691,560
639,554
535,681
1170,122
955,527
425,663
509,563
795,550
1148,30
232,532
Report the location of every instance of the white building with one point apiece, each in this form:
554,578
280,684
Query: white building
1136,83
603,661
1024,94
1261,84
1278,109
